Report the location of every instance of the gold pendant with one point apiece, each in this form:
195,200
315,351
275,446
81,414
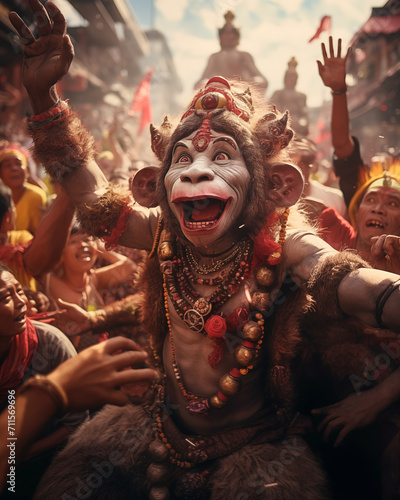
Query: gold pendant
194,320
202,306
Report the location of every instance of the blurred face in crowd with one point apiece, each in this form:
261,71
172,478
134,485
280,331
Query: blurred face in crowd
12,172
80,253
378,213
13,306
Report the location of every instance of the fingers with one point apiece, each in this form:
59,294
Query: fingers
342,434
339,49
332,426
324,54
59,23
320,68
117,398
43,22
331,50
135,375
129,358
391,244
67,54
377,246
68,305
22,29
117,343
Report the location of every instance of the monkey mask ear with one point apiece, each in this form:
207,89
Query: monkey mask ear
273,133
143,186
286,184
160,138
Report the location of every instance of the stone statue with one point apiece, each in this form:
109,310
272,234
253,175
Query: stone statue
230,62
289,98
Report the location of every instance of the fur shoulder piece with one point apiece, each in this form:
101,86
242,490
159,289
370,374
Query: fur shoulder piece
326,277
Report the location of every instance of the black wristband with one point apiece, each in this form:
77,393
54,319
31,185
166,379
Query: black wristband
381,301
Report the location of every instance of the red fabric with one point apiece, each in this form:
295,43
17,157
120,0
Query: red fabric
23,348
141,103
336,231
122,223
13,255
325,25
264,244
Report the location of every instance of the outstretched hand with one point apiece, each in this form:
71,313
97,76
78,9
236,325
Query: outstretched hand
355,411
95,375
46,59
333,70
71,319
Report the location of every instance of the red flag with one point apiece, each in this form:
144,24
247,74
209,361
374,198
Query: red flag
325,25
141,103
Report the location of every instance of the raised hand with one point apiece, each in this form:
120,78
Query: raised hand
385,253
333,70
47,59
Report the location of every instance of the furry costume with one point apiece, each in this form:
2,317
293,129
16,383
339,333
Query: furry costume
107,458
113,466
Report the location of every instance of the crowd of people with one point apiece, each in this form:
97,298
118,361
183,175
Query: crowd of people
247,322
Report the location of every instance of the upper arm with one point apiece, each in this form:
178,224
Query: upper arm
141,230
302,252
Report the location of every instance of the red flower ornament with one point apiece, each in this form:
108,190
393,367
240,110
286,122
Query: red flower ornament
216,328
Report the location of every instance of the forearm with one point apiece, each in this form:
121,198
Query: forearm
51,236
122,312
33,409
359,294
388,391
47,443
341,139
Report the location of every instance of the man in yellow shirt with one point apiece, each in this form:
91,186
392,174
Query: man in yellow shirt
29,200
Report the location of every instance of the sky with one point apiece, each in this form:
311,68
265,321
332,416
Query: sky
272,31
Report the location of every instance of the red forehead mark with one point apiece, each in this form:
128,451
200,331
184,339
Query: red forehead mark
203,137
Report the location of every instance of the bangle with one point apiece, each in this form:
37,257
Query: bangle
381,301
44,119
340,91
55,391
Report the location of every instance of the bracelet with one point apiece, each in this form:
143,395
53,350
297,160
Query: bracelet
44,119
55,391
381,301
340,91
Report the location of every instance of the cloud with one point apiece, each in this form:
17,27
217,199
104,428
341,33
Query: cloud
172,10
211,19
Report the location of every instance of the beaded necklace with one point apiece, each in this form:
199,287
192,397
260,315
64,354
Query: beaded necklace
191,307
252,332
